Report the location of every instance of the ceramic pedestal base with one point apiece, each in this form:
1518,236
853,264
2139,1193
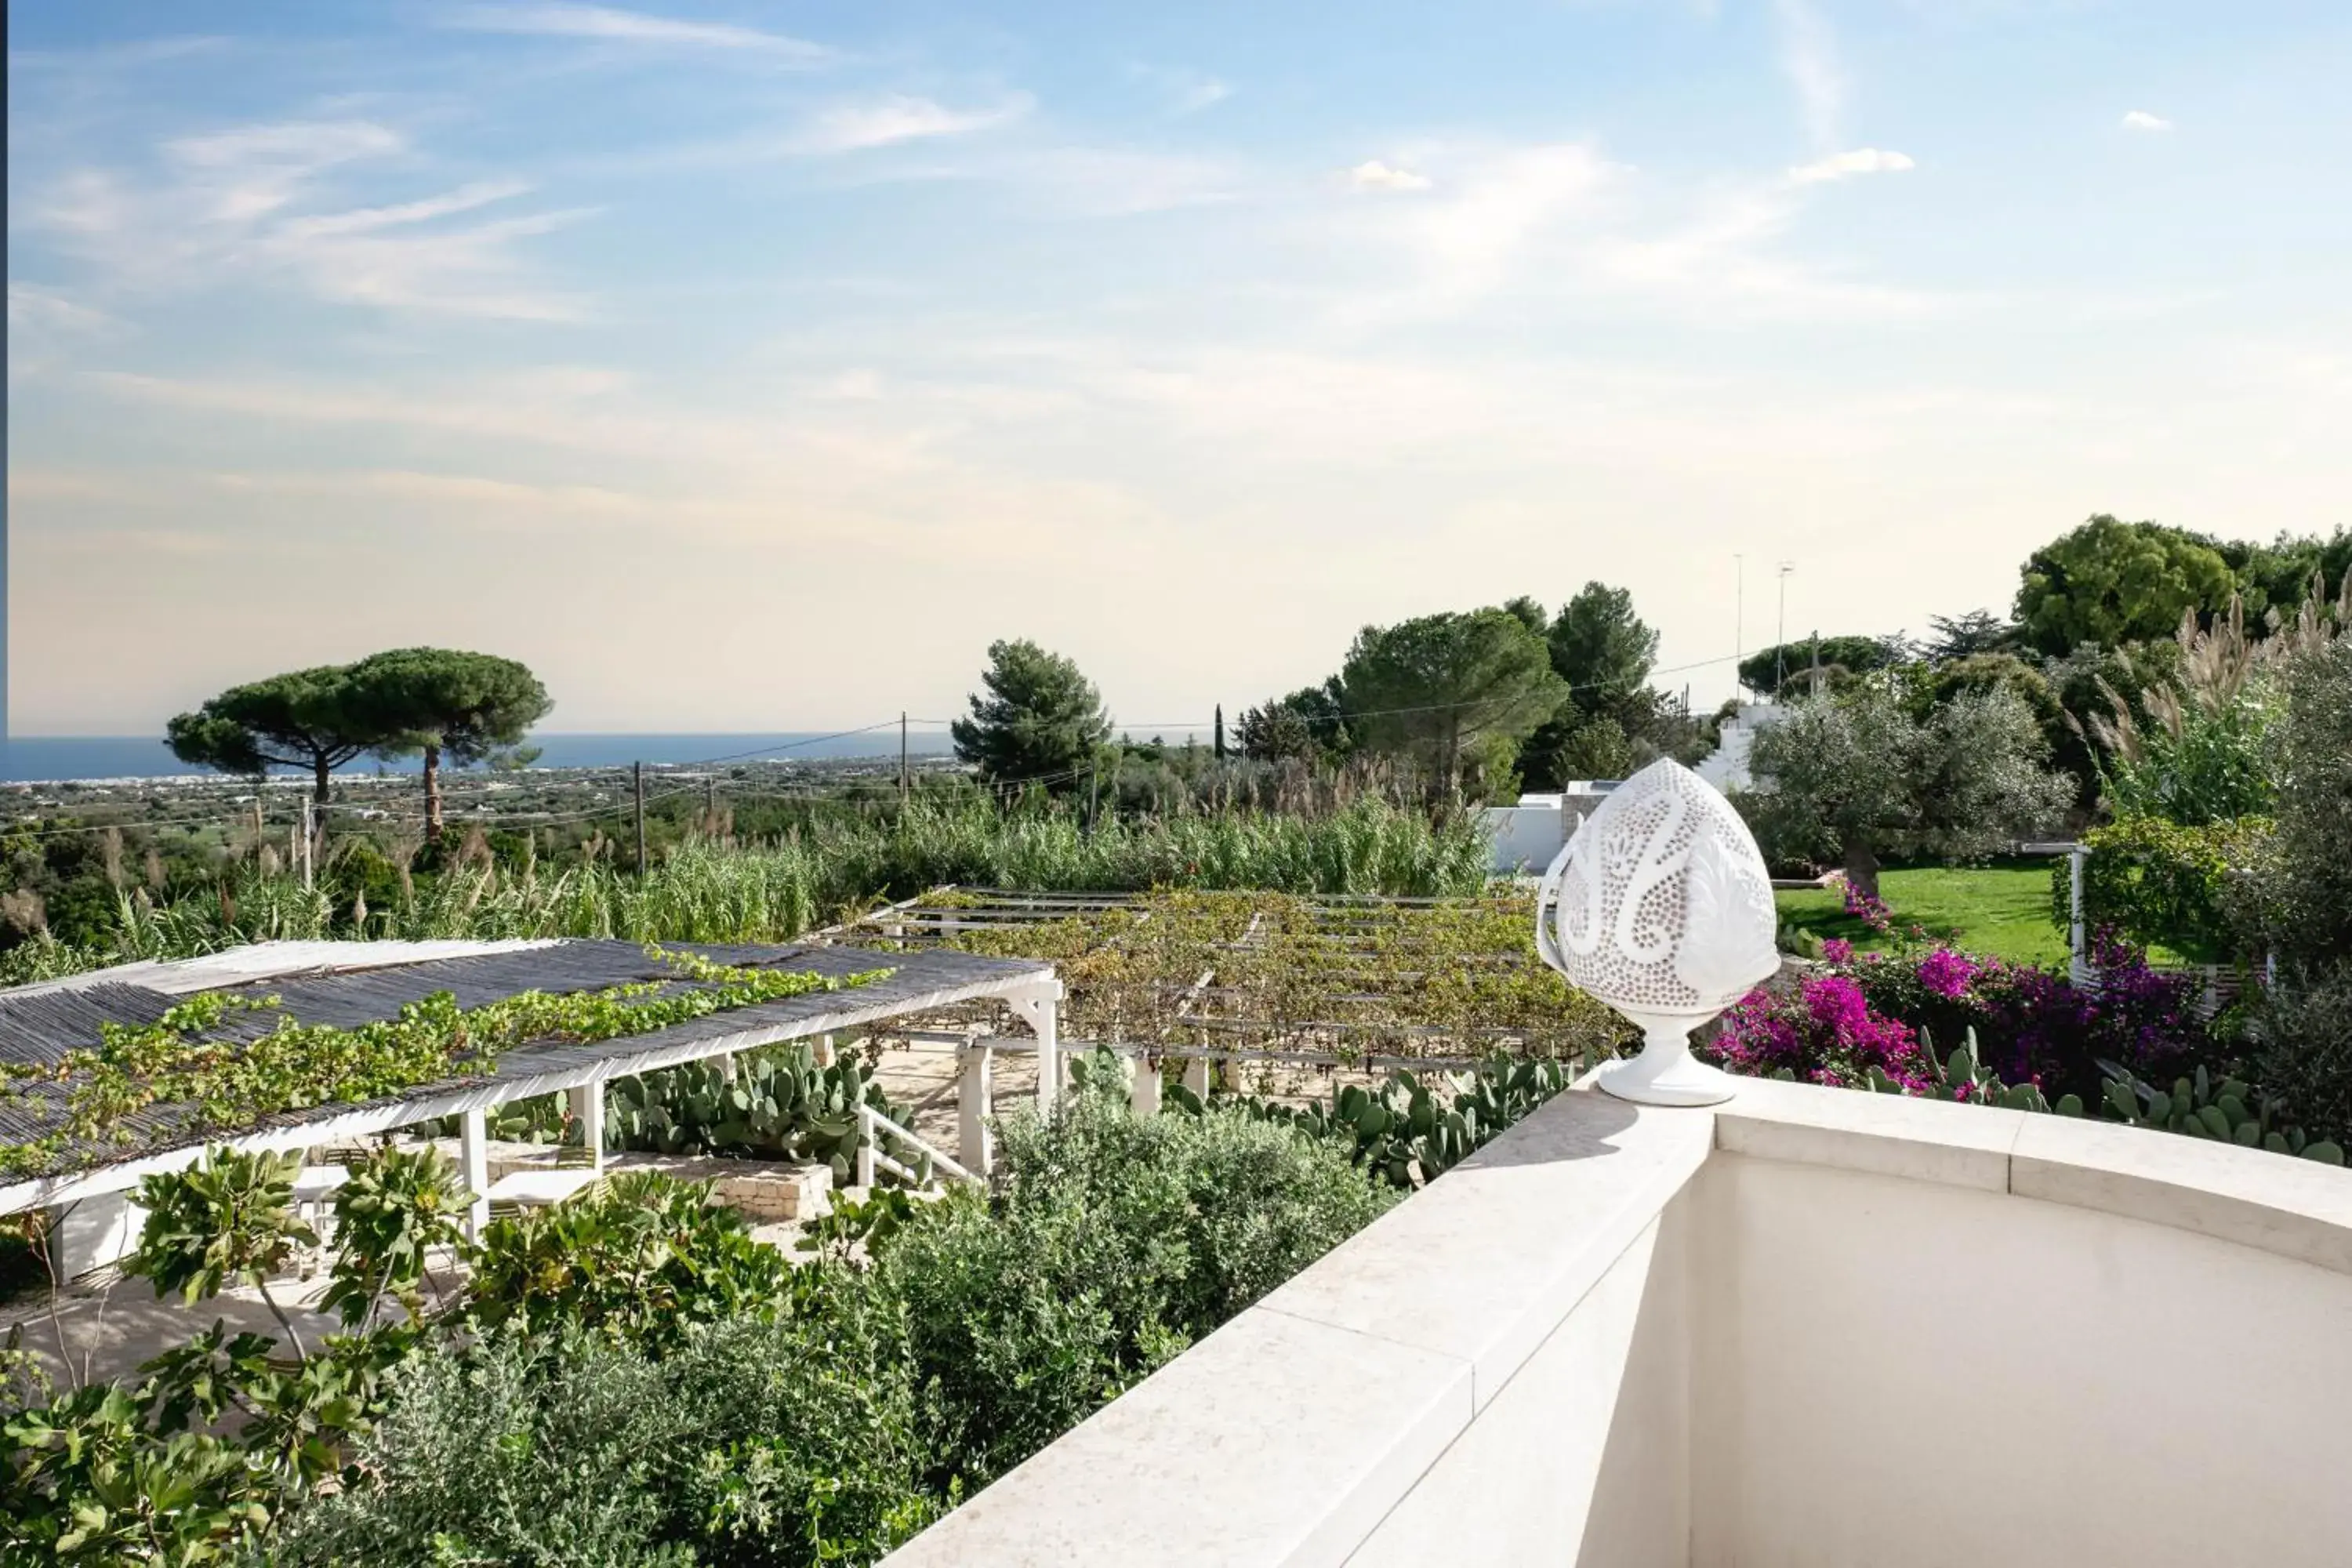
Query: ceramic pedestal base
1666,1073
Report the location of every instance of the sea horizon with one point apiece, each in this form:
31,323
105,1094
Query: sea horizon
84,759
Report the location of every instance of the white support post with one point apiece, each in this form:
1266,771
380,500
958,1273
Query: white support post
1042,1008
975,1094
865,1149
823,1050
1143,1092
2079,961
727,1067
588,1113
473,1142
1196,1078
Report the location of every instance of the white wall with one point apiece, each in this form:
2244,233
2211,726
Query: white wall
1904,1371
1583,1456
1808,1327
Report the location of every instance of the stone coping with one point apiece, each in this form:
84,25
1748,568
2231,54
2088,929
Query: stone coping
1294,1428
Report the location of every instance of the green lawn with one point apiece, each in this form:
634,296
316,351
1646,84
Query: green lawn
2002,911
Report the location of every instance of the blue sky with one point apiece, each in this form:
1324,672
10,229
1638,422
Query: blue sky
746,365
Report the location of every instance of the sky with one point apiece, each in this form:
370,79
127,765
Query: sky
747,366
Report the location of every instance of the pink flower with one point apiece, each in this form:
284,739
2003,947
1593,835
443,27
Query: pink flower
1946,973
1838,951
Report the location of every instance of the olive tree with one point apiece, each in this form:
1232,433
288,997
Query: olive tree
1852,778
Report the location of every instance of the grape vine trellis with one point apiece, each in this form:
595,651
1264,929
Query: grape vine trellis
228,1085
1344,981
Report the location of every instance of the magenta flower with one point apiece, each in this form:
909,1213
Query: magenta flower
1947,974
1836,950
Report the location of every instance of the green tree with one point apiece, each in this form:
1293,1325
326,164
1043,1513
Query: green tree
2111,582
1431,687
1309,723
1601,649
1850,778
445,704
1793,662
1970,636
304,719
1041,719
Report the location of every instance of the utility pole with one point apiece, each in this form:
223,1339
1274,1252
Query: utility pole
640,769
902,763
710,804
307,831
258,828
1781,634
1738,616
1221,732
1817,663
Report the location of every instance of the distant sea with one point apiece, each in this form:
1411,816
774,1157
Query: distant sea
57,758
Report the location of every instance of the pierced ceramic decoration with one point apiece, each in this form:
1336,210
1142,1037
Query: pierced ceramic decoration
1661,906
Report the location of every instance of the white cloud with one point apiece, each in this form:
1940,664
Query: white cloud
1188,91
2141,119
367,220
245,203
1844,165
37,309
887,121
612,24
1374,175
1808,58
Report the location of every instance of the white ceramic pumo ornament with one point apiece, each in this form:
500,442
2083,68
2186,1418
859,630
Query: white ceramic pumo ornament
1659,906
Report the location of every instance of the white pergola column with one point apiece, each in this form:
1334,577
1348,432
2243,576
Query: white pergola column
975,1094
1143,1089
474,1157
1196,1078
823,1050
1042,1008
588,1112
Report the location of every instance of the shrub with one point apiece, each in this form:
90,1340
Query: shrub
1108,1244
755,1442
2161,884
638,1261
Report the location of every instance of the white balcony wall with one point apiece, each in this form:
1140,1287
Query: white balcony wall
1809,1327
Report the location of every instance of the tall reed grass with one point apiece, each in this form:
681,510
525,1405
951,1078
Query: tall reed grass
711,891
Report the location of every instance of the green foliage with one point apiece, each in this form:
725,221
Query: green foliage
1601,649
1792,663
2199,1107
306,719
1405,1134
779,1442
1308,724
466,706
639,1259
1430,689
2110,583
1964,1077
396,1206
86,1481
1108,1243
444,703
780,1104
230,1085
1852,777
1042,720
2161,884
2300,898
229,1219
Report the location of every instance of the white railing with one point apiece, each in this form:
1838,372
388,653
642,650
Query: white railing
871,1125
